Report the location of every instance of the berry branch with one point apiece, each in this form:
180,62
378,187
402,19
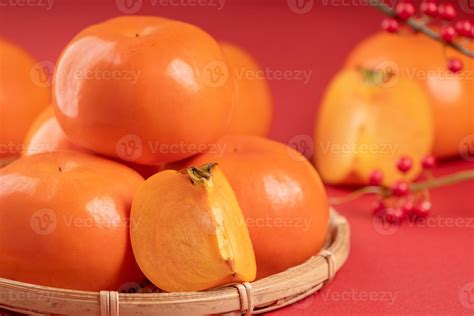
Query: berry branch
405,12
414,187
404,200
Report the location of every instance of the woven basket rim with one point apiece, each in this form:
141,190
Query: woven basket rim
268,294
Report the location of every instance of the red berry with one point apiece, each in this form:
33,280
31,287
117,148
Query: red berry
428,162
407,209
400,188
429,8
455,65
394,215
422,210
390,25
447,11
405,10
463,27
376,177
448,33
379,208
404,164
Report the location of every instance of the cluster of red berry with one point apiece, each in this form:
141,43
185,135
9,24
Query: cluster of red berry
430,9
401,203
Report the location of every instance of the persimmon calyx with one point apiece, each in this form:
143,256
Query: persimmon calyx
200,175
375,76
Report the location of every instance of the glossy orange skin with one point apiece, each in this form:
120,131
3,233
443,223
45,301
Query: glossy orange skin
45,135
253,108
424,60
281,195
21,99
164,92
64,221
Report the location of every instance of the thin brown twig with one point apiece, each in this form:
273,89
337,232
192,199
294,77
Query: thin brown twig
420,27
414,187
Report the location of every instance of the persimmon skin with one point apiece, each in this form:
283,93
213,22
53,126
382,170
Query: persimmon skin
64,222
20,98
253,108
425,61
46,136
164,92
281,196
363,126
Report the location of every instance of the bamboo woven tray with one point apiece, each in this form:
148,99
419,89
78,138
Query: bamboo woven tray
257,297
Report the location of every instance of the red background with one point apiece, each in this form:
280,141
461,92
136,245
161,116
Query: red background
423,269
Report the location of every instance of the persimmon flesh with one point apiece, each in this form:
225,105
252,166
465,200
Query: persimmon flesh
366,124
281,195
423,60
190,233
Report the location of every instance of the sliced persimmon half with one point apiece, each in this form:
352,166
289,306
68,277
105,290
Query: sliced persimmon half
189,233
367,121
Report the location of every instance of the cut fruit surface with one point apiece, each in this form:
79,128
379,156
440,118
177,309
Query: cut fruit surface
424,61
365,124
281,196
190,233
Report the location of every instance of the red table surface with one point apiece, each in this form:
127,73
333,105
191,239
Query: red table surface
413,270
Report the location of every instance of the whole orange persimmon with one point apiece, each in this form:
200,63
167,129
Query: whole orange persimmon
64,221
143,89
22,96
253,108
281,196
417,58
45,135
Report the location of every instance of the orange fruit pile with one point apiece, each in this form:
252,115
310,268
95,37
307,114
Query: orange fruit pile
90,206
